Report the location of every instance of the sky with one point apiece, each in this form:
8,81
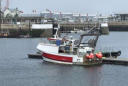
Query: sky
104,7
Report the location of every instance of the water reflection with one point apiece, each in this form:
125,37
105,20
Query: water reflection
17,70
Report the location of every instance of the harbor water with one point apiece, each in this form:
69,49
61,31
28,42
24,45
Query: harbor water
16,69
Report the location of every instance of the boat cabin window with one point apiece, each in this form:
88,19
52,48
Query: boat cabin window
57,42
89,52
52,41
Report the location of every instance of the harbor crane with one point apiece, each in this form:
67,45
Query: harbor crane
79,17
6,5
60,15
49,12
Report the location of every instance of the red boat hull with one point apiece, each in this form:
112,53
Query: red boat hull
57,57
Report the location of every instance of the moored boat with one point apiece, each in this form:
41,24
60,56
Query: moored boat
67,50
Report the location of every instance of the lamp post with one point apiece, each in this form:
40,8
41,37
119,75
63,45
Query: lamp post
0,15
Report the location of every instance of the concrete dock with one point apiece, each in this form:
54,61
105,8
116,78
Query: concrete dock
116,61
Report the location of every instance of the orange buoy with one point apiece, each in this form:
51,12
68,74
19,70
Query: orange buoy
89,56
99,55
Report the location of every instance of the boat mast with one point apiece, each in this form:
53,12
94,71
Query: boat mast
57,34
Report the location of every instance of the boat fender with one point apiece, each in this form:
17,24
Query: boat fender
99,55
89,56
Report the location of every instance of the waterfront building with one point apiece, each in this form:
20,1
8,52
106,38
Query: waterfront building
119,17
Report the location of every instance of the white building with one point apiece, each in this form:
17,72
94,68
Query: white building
11,12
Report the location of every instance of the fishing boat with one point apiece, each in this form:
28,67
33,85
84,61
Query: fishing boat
67,50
